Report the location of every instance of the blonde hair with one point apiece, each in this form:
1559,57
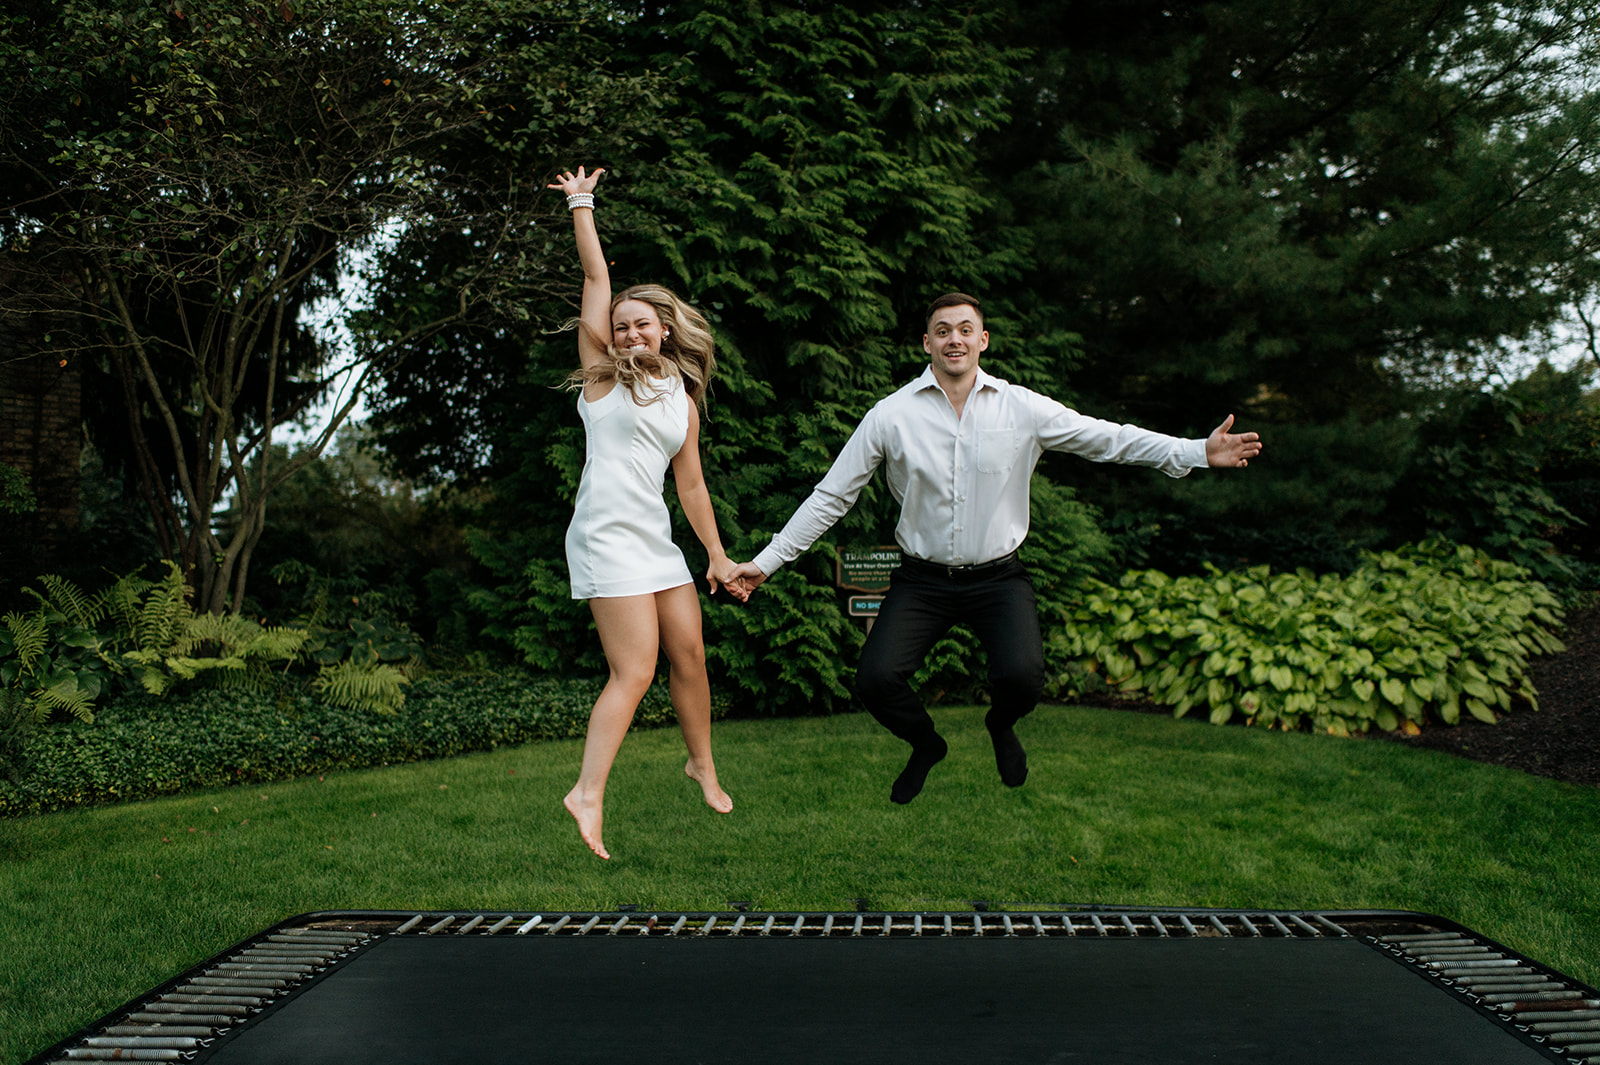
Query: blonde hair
687,350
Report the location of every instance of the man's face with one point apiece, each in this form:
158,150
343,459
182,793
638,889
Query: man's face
954,340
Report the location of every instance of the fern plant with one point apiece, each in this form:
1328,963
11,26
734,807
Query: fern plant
63,655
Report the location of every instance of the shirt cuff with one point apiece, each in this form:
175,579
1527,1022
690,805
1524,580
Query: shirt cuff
768,561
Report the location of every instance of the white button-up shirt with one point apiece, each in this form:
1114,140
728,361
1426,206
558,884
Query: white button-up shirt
962,482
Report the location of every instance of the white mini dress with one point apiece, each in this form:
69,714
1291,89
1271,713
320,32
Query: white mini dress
620,539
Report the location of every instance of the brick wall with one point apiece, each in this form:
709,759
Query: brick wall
41,434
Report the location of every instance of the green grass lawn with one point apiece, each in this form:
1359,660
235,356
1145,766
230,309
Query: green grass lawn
99,905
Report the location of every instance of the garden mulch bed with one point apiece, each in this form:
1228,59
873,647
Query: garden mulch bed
1562,739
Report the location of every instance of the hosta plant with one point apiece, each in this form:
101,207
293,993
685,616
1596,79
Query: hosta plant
1430,629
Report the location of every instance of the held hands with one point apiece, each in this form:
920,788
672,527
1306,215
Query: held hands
1231,449
723,572
749,577
570,183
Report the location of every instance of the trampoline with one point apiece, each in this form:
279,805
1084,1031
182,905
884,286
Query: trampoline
1073,984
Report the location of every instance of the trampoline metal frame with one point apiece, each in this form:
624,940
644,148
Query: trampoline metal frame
174,1021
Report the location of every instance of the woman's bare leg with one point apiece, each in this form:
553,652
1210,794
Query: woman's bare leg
679,612
629,633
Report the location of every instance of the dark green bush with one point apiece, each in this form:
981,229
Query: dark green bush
140,747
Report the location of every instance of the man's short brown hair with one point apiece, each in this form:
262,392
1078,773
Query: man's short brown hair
952,299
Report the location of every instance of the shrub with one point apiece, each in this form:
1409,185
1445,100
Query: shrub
141,747
1432,628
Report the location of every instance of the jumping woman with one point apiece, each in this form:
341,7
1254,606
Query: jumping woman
645,358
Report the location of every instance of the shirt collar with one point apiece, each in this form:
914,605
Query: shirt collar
984,380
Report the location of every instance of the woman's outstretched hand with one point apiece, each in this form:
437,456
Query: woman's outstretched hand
570,183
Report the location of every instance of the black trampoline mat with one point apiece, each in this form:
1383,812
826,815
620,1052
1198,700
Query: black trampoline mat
710,1001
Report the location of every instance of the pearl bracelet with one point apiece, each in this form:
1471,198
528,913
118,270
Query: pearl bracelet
580,199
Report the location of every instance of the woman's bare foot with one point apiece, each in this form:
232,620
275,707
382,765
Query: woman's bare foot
587,814
716,798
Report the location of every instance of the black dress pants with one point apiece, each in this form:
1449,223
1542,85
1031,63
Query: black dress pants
923,603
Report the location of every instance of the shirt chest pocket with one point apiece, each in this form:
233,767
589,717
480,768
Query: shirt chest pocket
997,449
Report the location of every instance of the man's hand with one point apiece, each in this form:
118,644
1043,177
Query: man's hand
749,577
1231,449
721,573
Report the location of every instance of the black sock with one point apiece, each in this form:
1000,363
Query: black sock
1009,757
924,756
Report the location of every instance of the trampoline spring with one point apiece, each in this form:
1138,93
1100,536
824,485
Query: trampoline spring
470,925
1512,987
1335,929
440,925
316,935
888,926
1188,925
200,986
529,925
1066,922
619,925
1462,953
266,985
949,926
210,1020
738,924
1517,998
1128,924
1506,979
1099,925
109,1054
583,930
711,922
1282,928
799,924
977,924
561,922
203,1032
916,925
290,972
856,931
498,925
1038,925
215,997
216,1009
1565,1016
1161,929
1430,937
1219,926
1493,963
1309,929
147,1042
221,1003
292,957
827,926
766,929
409,925
1005,918
1248,926
677,926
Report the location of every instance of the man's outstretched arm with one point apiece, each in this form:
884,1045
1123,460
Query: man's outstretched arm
1225,449
829,502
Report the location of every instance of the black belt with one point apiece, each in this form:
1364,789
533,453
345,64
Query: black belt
971,569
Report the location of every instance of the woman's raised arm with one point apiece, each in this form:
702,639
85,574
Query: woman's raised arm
595,331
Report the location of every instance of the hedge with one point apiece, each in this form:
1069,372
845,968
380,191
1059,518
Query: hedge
140,746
